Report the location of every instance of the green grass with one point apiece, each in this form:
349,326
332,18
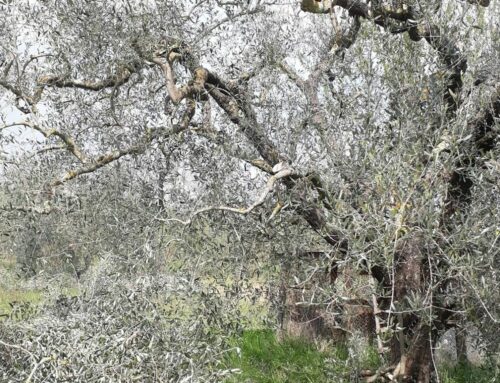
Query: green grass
8,296
9,290
264,359
13,289
466,373
71,291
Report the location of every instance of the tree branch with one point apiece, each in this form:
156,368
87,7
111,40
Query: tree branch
31,101
105,159
483,3
283,173
483,139
292,75
450,55
448,51
234,103
99,163
176,94
69,142
339,43
210,29
241,113
232,150
122,77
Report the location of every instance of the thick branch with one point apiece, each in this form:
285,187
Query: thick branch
355,7
483,3
176,94
188,114
241,113
247,123
233,101
448,51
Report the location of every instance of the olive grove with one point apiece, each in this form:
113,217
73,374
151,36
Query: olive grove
214,132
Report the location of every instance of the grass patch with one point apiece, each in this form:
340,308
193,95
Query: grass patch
9,296
71,291
466,373
264,359
10,292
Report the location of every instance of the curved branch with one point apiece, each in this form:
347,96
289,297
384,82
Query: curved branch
99,163
69,142
283,173
122,77
105,159
448,51
31,101
241,113
175,93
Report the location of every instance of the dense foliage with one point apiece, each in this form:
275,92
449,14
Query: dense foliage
220,143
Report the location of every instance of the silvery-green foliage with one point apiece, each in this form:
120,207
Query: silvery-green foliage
384,143
122,328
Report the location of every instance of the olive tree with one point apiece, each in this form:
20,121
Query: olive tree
373,123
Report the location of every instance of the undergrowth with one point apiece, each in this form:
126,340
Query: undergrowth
466,373
262,358
259,357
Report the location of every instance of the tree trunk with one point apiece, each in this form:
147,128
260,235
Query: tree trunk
417,360
411,348
461,344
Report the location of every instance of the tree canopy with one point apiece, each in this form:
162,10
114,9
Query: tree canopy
370,125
